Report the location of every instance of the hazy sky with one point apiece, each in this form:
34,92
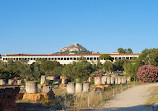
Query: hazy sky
46,26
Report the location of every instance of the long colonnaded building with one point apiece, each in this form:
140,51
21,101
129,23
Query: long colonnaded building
67,58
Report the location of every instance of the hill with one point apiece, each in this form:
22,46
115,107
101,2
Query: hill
74,49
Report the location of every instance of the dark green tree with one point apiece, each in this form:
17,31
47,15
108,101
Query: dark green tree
149,57
57,70
35,71
131,68
78,70
105,57
49,66
108,67
118,65
121,50
129,50
67,71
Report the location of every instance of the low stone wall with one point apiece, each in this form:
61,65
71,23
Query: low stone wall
7,98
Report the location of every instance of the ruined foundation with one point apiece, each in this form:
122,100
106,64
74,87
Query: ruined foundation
31,87
78,88
86,87
46,89
119,80
10,82
63,81
124,80
108,80
18,82
2,81
43,79
71,88
97,80
104,79
112,80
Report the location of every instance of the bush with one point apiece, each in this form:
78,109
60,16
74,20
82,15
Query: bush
97,74
147,73
49,82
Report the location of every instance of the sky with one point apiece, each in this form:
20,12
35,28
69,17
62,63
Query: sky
47,26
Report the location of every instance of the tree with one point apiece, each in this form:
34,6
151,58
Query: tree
78,70
118,65
67,71
129,50
82,70
11,66
57,70
98,66
108,66
149,57
121,50
105,57
7,75
35,71
49,66
131,68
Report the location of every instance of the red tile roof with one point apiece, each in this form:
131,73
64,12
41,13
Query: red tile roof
65,54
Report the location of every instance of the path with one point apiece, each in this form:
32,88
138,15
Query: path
132,99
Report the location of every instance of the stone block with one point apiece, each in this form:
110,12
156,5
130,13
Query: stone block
79,88
71,88
31,87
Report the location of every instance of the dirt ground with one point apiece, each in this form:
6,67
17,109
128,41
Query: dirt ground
132,99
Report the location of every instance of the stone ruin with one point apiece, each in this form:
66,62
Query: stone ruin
33,95
43,79
2,81
110,80
10,82
103,82
97,80
64,80
77,88
100,82
31,87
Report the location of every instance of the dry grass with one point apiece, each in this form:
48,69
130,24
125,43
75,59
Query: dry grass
96,98
80,101
59,91
153,99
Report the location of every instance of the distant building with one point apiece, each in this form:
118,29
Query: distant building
67,58
114,53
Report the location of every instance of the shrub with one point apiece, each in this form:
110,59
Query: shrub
147,73
96,74
49,82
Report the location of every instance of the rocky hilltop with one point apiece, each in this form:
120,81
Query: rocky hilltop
74,49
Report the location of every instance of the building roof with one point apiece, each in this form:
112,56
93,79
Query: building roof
95,54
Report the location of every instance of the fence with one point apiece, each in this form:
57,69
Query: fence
93,98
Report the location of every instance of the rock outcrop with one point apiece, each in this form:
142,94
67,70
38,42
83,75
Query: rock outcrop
74,49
